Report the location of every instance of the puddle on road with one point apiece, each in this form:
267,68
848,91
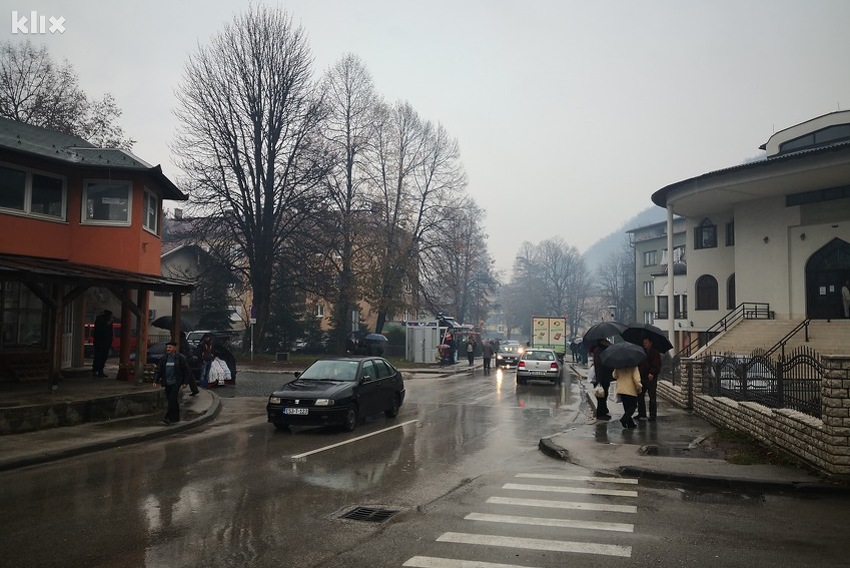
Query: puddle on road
722,498
681,451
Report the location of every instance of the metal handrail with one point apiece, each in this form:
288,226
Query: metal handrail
782,342
744,310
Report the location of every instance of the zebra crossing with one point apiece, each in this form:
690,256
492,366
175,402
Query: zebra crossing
553,505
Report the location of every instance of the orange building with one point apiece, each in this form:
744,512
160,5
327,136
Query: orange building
74,217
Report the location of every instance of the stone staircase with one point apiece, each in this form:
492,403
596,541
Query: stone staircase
827,337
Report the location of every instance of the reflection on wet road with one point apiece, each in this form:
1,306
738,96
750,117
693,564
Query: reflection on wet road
242,493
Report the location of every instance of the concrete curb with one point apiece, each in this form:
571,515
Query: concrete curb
733,483
85,448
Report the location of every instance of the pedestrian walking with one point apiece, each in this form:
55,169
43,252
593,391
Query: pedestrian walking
101,342
604,376
172,372
649,370
845,298
470,350
487,355
204,353
186,350
628,389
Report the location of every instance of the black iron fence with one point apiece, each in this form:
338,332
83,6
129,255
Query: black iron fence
792,381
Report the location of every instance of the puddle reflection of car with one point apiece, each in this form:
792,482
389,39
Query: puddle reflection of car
338,392
538,364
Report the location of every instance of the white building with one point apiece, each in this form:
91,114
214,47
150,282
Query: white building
775,231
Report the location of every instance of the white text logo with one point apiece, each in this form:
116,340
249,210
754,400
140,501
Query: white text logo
36,24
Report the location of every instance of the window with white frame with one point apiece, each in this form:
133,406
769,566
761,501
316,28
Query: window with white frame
648,288
649,258
150,212
648,317
33,193
320,311
107,202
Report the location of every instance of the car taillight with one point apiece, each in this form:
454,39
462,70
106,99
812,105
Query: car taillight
521,364
554,366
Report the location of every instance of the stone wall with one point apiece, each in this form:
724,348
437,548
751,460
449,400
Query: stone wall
824,443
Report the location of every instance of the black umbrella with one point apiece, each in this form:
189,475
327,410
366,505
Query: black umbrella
167,322
622,355
376,337
602,330
637,331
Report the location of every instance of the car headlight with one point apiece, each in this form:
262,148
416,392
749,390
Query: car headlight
499,357
324,402
274,400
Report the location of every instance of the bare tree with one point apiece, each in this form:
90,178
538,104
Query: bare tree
416,174
36,90
250,144
616,282
456,274
348,129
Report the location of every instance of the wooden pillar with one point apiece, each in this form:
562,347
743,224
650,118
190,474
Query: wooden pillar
124,352
57,318
142,326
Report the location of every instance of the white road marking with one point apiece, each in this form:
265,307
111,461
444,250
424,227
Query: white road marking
358,438
563,505
548,522
574,490
623,480
432,562
537,544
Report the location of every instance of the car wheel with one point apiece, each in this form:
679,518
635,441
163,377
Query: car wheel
351,419
392,411
281,427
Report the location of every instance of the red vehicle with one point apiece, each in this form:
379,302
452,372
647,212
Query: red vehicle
88,343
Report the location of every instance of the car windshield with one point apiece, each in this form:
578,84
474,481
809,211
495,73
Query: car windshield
539,356
333,370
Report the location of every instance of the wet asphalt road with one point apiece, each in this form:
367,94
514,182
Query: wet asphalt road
240,493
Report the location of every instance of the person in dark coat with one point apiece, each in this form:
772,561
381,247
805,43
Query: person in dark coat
649,370
172,372
487,354
102,342
604,376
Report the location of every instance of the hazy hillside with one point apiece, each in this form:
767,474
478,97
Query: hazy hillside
598,253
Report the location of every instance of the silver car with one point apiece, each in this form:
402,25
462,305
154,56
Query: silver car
539,364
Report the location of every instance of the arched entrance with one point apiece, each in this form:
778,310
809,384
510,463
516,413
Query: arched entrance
826,271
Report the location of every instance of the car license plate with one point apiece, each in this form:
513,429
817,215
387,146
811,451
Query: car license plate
295,411
538,373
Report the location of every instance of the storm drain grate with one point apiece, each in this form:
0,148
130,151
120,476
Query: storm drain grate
369,514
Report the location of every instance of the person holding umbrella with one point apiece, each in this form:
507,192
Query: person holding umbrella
629,388
604,376
624,358
649,370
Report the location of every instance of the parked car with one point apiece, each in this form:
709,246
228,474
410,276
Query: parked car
508,354
340,391
538,364
228,337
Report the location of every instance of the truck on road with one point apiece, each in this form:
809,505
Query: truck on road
550,333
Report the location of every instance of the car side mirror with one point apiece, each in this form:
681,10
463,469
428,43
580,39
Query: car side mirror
367,378
297,374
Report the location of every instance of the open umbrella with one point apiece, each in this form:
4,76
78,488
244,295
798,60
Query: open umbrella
167,322
622,355
637,331
602,330
376,337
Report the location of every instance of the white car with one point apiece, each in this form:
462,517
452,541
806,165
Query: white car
542,364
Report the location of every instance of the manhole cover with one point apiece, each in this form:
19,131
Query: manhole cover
369,514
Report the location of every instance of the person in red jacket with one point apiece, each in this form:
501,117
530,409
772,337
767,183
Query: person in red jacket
649,370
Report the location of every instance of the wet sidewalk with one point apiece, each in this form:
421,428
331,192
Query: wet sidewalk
669,450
